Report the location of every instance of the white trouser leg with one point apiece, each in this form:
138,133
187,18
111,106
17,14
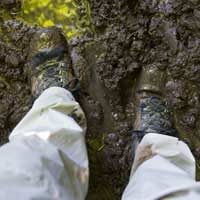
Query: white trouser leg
163,165
46,157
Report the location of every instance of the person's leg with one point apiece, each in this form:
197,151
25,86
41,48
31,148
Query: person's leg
46,157
162,164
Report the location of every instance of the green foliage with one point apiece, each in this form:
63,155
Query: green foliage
4,81
63,13
97,144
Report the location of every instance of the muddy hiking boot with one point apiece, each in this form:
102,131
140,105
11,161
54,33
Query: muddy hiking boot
153,113
49,62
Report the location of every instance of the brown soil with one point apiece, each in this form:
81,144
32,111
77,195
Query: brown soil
128,35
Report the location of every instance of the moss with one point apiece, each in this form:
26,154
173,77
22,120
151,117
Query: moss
97,144
4,81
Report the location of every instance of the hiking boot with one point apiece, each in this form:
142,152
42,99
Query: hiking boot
49,62
153,113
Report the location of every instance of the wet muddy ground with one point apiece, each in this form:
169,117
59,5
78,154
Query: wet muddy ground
125,36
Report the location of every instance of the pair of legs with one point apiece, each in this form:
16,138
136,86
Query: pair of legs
46,157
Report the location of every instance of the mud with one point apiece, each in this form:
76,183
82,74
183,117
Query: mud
125,36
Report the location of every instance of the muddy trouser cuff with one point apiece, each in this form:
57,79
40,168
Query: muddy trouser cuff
163,166
46,157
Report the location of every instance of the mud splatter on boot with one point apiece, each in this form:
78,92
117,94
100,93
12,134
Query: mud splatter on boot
154,116
49,62
153,113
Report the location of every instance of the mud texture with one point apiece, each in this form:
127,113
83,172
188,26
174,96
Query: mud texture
128,35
